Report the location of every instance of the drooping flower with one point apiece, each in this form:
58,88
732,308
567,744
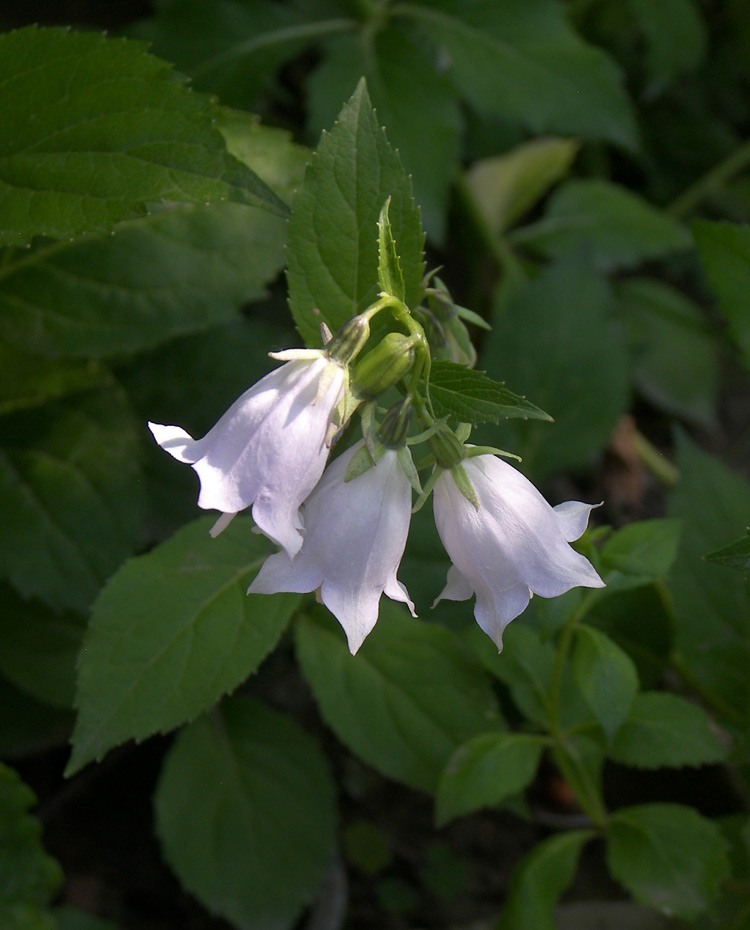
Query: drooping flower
510,545
270,448
355,535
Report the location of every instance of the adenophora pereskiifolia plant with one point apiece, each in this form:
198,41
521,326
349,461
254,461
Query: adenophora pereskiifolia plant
344,534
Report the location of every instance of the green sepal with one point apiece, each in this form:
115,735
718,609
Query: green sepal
390,275
458,473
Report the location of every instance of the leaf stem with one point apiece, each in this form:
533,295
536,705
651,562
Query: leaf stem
714,179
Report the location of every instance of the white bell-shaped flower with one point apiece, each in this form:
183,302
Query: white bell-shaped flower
270,448
511,545
355,535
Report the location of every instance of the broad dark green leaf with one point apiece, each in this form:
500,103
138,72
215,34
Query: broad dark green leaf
485,771
506,186
639,553
675,354
725,254
676,38
29,877
606,677
735,554
619,228
711,602
39,648
413,99
521,60
557,342
228,47
333,233
245,814
71,497
93,130
471,397
173,272
666,730
667,856
171,633
31,380
406,701
539,880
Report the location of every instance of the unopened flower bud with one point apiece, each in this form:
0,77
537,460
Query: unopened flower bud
348,341
395,426
447,448
384,366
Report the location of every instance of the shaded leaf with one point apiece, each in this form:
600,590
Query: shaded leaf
666,730
70,497
606,676
406,701
667,856
485,771
735,554
245,814
539,880
620,228
171,633
676,38
521,60
639,553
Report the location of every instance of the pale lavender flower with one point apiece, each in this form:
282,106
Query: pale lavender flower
355,534
511,545
270,448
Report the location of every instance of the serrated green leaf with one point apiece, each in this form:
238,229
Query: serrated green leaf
735,554
674,352
94,129
668,857
506,186
171,633
557,342
620,228
539,880
40,647
390,276
414,100
471,397
606,677
29,877
175,273
639,553
725,254
245,814
520,60
333,242
711,604
485,771
71,497
406,701
666,730
676,38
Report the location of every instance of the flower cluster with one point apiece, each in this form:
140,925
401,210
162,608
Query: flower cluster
342,530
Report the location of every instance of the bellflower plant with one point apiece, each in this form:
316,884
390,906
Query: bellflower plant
270,448
355,534
508,543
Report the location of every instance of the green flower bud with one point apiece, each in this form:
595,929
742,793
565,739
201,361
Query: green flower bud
348,341
384,366
395,426
447,448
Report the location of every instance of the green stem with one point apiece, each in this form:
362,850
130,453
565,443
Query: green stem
654,461
712,181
